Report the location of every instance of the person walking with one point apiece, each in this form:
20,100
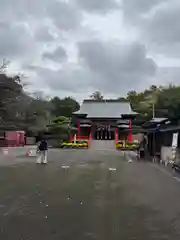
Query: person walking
42,149
143,148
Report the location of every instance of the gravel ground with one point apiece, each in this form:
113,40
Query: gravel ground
86,200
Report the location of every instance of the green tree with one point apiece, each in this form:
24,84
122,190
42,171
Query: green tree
156,101
64,107
169,101
20,110
135,99
60,128
151,96
11,90
97,95
37,115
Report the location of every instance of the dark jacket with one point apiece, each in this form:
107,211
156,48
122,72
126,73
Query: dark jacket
43,146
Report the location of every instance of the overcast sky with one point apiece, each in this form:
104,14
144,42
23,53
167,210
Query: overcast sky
73,47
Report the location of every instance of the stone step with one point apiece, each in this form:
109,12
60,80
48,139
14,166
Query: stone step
103,145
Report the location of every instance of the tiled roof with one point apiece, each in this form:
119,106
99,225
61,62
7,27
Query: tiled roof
105,109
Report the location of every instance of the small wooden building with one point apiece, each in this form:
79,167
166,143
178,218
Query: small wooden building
160,136
12,138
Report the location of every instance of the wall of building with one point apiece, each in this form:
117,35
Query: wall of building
167,151
166,154
30,140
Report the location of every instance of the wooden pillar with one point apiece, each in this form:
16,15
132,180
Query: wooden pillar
79,128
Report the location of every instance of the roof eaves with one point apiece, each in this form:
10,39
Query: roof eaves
158,120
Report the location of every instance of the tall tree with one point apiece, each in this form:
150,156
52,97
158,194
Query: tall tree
163,101
64,107
150,100
37,115
97,95
20,110
169,101
4,65
10,91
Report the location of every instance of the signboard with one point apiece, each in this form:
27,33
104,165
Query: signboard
175,140
174,145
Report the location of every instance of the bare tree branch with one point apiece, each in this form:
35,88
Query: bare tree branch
4,65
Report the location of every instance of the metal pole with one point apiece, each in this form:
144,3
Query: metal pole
154,135
153,110
154,145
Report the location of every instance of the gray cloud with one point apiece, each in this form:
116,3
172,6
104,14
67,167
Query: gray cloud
25,23
113,67
108,66
21,10
135,10
58,55
160,28
15,40
163,27
43,34
168,75
158,24
139,6
117,65
97,6
64,15
71,78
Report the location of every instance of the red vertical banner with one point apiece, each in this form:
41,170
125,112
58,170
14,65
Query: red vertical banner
79,128
117,135
130,131
91,131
